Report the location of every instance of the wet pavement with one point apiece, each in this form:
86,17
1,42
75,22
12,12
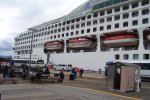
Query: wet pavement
91,87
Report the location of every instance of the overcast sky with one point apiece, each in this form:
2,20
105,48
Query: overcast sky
18,15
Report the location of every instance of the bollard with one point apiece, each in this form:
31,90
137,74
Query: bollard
137,86
99,71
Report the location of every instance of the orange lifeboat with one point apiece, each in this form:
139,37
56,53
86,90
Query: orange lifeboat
119,40
81,42
54,45
148,36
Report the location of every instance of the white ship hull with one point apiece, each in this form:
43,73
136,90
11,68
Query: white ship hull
121,18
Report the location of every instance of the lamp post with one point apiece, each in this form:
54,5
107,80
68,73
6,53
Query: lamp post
33,30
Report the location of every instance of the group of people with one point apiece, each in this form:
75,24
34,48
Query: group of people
8,71
37,74
75,72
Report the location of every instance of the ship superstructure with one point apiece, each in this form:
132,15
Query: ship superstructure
96,32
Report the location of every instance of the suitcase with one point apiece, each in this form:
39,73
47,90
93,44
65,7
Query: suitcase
71,77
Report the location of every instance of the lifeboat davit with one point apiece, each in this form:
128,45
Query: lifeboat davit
120,40
148,36
54,45
81,42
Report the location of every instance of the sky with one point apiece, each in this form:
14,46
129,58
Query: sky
17,16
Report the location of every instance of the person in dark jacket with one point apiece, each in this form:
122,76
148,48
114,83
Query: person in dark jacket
81,72
62,76
6,72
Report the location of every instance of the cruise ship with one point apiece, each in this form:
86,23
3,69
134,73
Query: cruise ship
96,32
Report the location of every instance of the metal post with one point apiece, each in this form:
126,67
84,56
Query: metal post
31,49
33,30
48,59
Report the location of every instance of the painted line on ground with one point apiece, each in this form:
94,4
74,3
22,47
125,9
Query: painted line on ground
103,92
91,80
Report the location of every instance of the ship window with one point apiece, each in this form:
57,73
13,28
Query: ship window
109,11
102,13
94,22
48,27
77,26
116,1
68,22
72,27
117,9
71,33
88,23
108,26
125,16
51,37
72,21
145,21
145,2
135,22
135,56
62,35
101,21
51,32
95,15
134,14
125,56
117,56
83,18
55,31
94,29
117,25
88,30
146,56
145,11
78,19
64,23
67,34
67,28
134,5
82,31
63,29
126,7
117,17
51,27
48,32
125,24
109,19
82,24
45,28
108,3
89,17
55,25
58,35
59,30
101,28
77,32
42,29
59,24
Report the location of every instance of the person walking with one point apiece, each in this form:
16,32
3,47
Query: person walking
81,72
62,76
6,72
